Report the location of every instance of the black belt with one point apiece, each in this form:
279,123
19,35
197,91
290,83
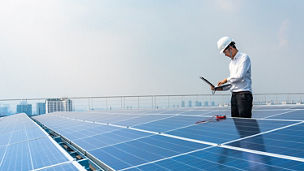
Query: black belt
241,92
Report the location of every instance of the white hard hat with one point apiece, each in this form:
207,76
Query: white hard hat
223,42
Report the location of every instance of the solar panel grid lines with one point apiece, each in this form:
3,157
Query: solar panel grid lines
5,146
205,161
271,130
134,146
106,132
121,142
284,142
261,133
64,166
207,166
215,129
296,115
155,120
138,159
155,161
163,126
55,143
86,153
294,149
27,148
263,153
74,128
30,154
285,120
115,125
189,139
101,123
8,138
200,164
231,155
277,114
152,132
143,119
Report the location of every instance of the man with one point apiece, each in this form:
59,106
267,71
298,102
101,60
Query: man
240,78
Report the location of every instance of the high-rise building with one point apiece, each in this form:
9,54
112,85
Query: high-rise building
58,104
4,110
23,107
40,108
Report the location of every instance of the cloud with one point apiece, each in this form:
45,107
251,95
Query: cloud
228,5
282,34
44,43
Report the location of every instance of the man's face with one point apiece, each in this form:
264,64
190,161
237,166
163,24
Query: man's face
228,52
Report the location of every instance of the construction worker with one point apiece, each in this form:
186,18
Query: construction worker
240,78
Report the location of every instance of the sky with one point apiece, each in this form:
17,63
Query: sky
73,48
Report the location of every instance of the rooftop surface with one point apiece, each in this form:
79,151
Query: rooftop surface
159,139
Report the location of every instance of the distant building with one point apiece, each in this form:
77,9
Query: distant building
40,108
198,103
183,104
4,110
189,103
58,105
23,107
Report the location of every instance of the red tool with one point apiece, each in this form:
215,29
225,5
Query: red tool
217,118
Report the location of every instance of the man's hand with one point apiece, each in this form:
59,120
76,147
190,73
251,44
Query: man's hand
222,82
212,88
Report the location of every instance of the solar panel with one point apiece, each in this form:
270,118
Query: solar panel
217,158
62,167
292,115
24,146
287,141
170,140
143,150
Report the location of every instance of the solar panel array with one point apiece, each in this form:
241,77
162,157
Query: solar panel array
25,146
170,139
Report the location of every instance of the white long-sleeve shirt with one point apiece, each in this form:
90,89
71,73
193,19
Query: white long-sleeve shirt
240,73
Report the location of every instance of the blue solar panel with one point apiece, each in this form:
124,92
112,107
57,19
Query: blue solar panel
173,122
144,150
227,130
170,140
140,120
115,137
2,151
25,146
62,167
5,137
293,115
288,141
44,147
262,113
17,157
216,158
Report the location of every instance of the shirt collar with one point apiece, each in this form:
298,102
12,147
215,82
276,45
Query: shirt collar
237,55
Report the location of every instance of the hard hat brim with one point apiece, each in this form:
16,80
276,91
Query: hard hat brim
222,50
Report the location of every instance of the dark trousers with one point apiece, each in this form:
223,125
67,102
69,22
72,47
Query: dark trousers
241,104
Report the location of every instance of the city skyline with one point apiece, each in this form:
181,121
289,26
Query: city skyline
104,48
